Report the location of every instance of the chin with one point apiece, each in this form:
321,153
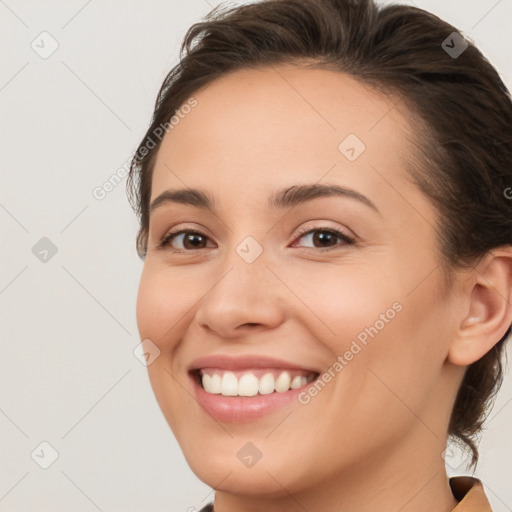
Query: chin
258,481
220,465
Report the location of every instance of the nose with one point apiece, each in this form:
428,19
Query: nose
247,297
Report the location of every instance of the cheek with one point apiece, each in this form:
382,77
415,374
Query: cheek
397,370
147,306
389,340
162,307
159,311
350,305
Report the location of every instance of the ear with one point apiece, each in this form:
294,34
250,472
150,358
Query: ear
489,311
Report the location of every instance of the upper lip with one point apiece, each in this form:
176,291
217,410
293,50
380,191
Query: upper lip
244,362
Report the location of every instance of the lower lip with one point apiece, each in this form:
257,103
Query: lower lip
238,409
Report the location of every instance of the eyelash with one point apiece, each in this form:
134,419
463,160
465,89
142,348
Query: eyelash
166,239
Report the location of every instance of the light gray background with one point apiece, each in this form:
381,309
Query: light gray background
68,375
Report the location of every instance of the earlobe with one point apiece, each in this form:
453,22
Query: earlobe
489,314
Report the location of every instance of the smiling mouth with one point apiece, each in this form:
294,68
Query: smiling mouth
251,382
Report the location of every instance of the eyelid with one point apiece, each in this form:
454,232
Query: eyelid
340,233
169,235
324,225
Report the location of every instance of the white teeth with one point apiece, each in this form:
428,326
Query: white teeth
207,382
296,382
216,384
248,384
212,383
283,382
266,384
229,384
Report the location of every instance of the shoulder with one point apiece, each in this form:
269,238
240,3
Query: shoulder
470,494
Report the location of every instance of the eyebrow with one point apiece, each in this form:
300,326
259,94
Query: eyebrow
285,198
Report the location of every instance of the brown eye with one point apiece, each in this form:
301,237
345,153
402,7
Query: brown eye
191,240
325,238
322,238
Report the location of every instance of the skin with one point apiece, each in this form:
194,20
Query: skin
372,439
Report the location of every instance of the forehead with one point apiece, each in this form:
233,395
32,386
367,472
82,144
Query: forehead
260,127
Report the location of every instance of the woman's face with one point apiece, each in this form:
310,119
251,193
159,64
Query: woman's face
362,309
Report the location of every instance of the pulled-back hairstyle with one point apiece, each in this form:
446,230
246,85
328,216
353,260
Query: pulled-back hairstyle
462,109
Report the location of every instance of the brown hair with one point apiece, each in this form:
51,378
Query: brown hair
461,102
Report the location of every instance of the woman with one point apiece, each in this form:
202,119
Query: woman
327,245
